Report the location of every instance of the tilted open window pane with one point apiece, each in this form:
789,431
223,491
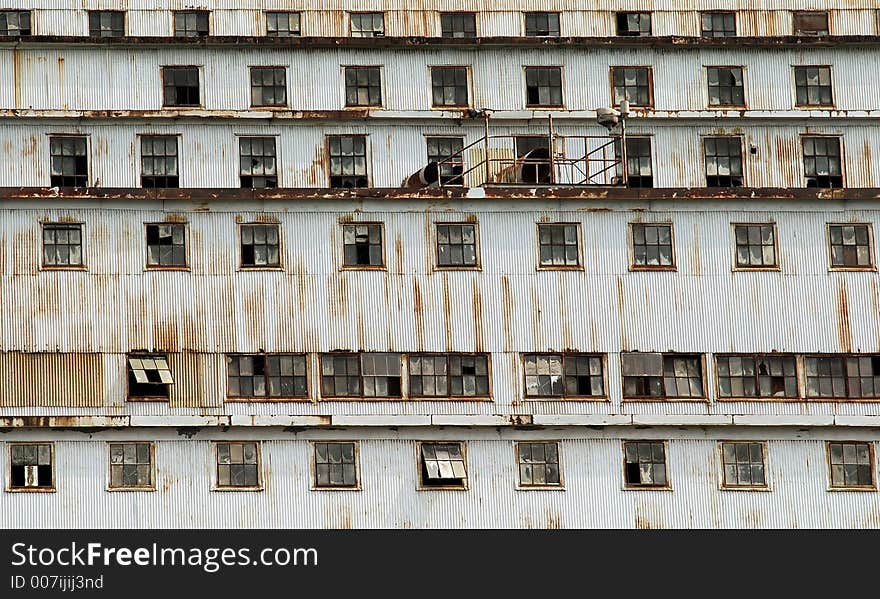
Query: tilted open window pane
443,465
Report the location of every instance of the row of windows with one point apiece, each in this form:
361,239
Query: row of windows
348,160
196,23
335,465
651,246
648,376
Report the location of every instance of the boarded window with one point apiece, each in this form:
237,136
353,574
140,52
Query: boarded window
661,376
851,464
106,23
190,23
31,466
754,376
542,24
458,24
15,22
166,244
563,375
268,86
634,23
813,86
456,245
558,245
810,22
70,162
718,24
724,163
447,152
543,86
149,376
159,163
238,465
850,246
283,24
276,375
822,164
362,245
381,375
363,86
180,86
726,86
442,465
449,375
645,464
449,86
348,161
755,246
340,375
131,466
335,466
538,464
632,84
652,246
743,464
62,245
843,377
258,162
260,245
367,24
639,171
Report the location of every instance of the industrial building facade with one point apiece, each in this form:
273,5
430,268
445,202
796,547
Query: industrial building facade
372,265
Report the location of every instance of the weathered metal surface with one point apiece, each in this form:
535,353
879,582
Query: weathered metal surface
51,379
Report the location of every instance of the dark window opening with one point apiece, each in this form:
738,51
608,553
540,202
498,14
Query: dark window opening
458,24
723,157
363,86
822,163
348,161
131,466
447,152
258,162
632,84
275,375
268,86
31,466
362,245
15,22
754,376
70,163
106,23
634,23
533,158
457,245
238,465
449,86
652,246
283,24
542,24
159,161
543,86
558,245
149,376
180,86
813,86
538,464
166,244
638,162
260,245
755,246
718,24
190,23
645,464
335,465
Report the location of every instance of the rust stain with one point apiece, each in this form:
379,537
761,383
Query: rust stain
478,316
30,148
302,283
621,310
698,266
844,333
506,311
398,254
554,519
175,217
17,76
447,312
419,315
563,311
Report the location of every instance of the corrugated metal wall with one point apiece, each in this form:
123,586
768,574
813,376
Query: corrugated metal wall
51,379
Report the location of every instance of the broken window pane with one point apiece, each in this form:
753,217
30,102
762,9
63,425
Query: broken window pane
851,246
15,22
335,465
743,464
852,464
822,165
813,86
268,86
449,86
340,375
131,465
166,244
106,23
260,245
348,160
362,245
679,376
190,23
447,152
723,157
283,24
258,375
363,86
568,375
159,164
543,86
753,376
645,464
257,164
448,375
458,24
238,465
62,245
558,245
755,246
634,23
543,375
149,376
542,24
31,466
652,246
538,464
69,161
180,86
456,245
381,374
725,86
718,24
442,464
632,84
810,23
367,24
638,160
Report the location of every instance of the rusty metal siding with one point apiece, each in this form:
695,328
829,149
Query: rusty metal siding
51,380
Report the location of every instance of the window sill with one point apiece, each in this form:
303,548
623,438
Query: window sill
421,487
29,490
571,398
166,268
756,269
162,399
579,267
759,399
82,268
814,106
236,489
540,488
476,268
182,107
634,268
666,399
131,489
448,398
765,489
261,269
647,488
545,107
852,269
850,489
361,398
316,488
364,267
268,400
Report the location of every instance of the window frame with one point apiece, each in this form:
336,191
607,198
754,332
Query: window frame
603,358
131,488
362,396
722,476
368,159
382,237
544,487
831,487
276,142
307,356
186,236
478,265
468,89
794,87
843,357
147,355
459,179
735,267
240,242
139,165
800,378
618,32
266,13
666,398
742,157
580,248
8,470
803,157
215,478
736,32
208,22
82,240
796,13
475,14
383,95
525,87
872,267
407,374
525,16
88,140
631,249
352,13
198,68
98,12
650,69
640,487
20,11
252,68
422,486
313,466
710,106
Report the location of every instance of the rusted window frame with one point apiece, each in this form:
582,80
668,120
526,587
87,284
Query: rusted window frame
544,487
307,398
131,488
139,165
404,378
735,267
618,32
536,13
422,486
798,373
472,13
580,248
352,13
603,359
146,398
82,241
562,86
839,356
88,139
803,156
745,103
383,237
98,12
704,398
478,265
199,70
872,267
405,361
383,95
266,14
742,158
184,267
313,466
215,460
8,472
667,470
368,150
720,12
468,87
830,106
252,68
266,267
650,69
796,13
831,487
631,247
722,474
197,11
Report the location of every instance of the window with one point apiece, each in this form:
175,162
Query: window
755,245
718,24
542,24
810,22
106,23
70,162
367,374
851,246
563,375
31,467
363,86
367,24
335,465
632,84
813,86
851,464
662,376
448,152
15,22
180,86
362,245
558,245
348,160
340,375
159,164
272,376
283,24
166,244
458,24
645,464
238,465
62,245
638,161
743,465
724,164
753,376
843,377
539,464
268,86
543,86
725,86
449,375
449,86
457,245
258,162
652,246
190,23
634,23
131,466
149,376
381,374
822,164
532,159
442,465
260,245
